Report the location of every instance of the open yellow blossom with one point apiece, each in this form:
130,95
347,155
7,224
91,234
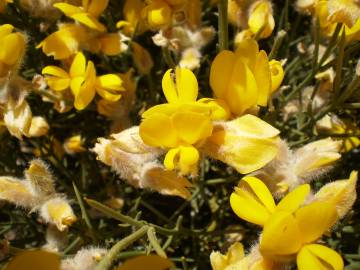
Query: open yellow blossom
290,229
83,82
12,49
3,4
244,79
180,125
87,14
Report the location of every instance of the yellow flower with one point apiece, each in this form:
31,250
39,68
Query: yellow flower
132,14
157,14
289,228
65,42
83,82
179,125
244,78
3,4
87,14
261,19
12,49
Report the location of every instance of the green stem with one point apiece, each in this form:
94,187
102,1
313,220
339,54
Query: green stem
155,242
84,214
168,58
223,25
277,43
111,256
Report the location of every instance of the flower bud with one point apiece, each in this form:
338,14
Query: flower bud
39,127
74,145
58,211
137,163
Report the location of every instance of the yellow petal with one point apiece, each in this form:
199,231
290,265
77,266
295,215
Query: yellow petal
58,84
89,20
78,66
5,29
12,48
341,192
96,7
171,158
248,51
277,75
252,201
252,126
166,109
188,159
261,19
315,219
109,96
219,109
158,130
220,73
192,127
242,93
84,88
263,78
110,82
111,44
183,89
246,143
293,200
261,191
313,257
281,236
55,71
68,9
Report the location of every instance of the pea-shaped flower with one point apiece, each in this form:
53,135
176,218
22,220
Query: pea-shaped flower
246,78
83,82
291,228
180,125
